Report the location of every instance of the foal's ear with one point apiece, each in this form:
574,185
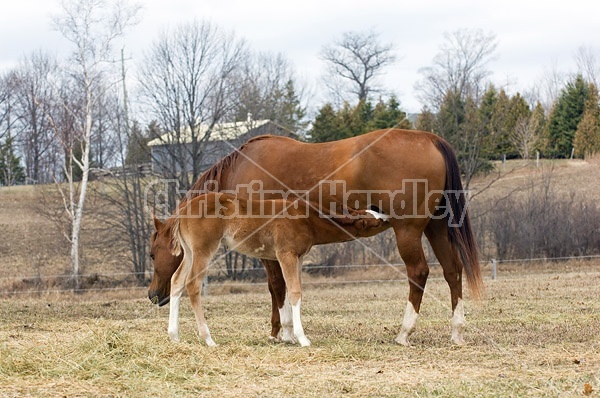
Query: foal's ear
157,223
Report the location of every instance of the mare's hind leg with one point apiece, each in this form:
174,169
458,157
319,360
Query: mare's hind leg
408,238
194,287
290,267
277,289
437,234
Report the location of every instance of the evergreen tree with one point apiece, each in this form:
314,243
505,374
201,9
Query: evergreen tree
425,120
459,121
288,111
326,126
349,121
587,136
352,120
486,111
500,127
539,116
450,117
11,171
565,117
137,145
387,115
518,113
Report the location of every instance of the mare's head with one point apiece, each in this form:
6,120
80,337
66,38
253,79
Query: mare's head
165,264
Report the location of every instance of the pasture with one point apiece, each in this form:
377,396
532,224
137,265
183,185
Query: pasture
537,333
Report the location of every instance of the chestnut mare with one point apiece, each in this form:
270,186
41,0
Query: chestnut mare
278,230
410,175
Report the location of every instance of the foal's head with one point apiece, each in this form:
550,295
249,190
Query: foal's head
165,263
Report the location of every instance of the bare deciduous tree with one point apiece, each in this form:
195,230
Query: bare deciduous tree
527,132
459,67
354,62
588,65
267,89
548,88
34,93
187,80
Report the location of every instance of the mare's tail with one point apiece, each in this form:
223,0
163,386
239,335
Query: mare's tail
460,232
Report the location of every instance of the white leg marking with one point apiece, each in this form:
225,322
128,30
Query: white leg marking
207,338
408,324
458,323
298,329
174,317
286,334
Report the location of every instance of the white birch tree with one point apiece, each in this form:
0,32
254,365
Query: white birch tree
92,27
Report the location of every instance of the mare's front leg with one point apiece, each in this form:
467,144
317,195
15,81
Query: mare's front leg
277,289
290,267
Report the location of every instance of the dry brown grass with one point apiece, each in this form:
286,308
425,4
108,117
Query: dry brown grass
568,176
536,334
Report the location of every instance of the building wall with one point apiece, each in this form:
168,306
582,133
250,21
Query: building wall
166,158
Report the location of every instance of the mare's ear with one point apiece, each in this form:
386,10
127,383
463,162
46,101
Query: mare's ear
157,223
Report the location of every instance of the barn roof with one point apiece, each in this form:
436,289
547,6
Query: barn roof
220,132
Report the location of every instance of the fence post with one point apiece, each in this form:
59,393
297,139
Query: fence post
205,285
494,268
537,159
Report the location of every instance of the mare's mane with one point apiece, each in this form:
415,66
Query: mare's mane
215,172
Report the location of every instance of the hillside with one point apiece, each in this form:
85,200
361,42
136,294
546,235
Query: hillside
33,247
578,177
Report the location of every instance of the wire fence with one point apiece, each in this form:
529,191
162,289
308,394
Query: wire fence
37,288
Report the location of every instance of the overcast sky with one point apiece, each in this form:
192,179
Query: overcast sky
533,37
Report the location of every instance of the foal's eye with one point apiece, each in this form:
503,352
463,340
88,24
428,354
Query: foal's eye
152,256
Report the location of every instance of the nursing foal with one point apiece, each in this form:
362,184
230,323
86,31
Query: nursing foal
281,230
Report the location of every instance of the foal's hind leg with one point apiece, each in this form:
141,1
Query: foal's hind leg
437,234
408,238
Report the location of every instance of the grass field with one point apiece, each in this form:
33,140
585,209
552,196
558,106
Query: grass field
537,333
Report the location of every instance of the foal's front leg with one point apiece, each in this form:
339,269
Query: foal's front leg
194,287
177,285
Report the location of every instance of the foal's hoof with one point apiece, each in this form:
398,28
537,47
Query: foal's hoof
458,340
287,336
304,342
402,339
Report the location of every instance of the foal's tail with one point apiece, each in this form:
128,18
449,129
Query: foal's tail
175,242
460,232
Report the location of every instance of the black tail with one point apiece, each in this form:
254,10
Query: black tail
459,227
